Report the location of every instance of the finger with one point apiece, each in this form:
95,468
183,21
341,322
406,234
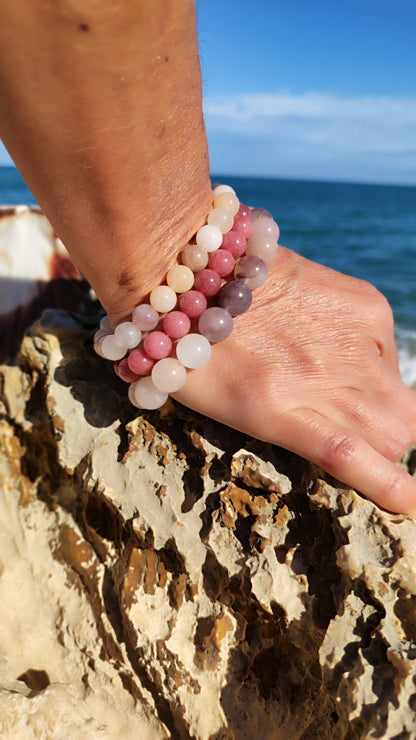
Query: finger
395,396
349,458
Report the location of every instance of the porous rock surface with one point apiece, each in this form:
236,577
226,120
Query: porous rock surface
162,576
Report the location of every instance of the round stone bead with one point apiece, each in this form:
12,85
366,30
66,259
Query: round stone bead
234,242
169,375
218,189
193,351
243,221
215,324
163,298
194,257
105,324
124,372
127,334
263,224
252,271
222,218
263,246
157,345
209,237
227,200
146,395
207,282
139,362
193,303
222,262
110,348
176,324
180,278
235,297
145,317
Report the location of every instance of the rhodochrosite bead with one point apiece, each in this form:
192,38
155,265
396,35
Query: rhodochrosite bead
145,317
157,345
222,262
207,282
215,324
234,242
193,351
145,395
169,375
124,372
193,303
176,324
127,334
235,297
139,362
243,221
252,271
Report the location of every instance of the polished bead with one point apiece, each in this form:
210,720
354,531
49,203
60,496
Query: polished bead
227,200
157,345
127,334
131,396
263,224
146,395
169,375
105,324
243,221
222,262
222,218
193,303
234,242
252,271
209,237
264,247
207,282
180,278
193,351
176,324
215,324
235,297
218,189
194,257
139,362
163,298
110,348
145,317
100,334
122,369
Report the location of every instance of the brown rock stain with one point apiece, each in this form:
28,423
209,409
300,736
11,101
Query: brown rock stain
236,502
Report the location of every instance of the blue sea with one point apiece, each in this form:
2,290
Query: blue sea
368,231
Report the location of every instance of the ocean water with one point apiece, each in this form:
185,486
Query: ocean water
368,231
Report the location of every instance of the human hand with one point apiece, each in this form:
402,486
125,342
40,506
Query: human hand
312,367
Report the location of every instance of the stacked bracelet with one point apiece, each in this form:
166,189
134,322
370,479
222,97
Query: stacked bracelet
213,283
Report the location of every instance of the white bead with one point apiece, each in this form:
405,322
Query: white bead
110,348
105,324
222,218
209,237
193,351
146,395
168,375
132,397
100,333
127,335
145,317
222,189
163,298
265,225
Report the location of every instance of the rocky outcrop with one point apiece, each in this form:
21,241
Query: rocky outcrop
162,576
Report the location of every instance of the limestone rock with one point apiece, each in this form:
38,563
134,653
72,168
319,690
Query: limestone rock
163,577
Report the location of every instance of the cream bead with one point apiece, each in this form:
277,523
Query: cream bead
194,257
180,278
146,395
222,189
209,237
227,200
222,218
163,298
169,375
193,351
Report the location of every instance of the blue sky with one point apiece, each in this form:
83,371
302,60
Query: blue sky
316,89
320,89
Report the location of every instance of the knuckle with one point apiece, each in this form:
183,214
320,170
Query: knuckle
337,451
393,488
379,306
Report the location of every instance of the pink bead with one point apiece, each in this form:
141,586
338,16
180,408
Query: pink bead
157,345
234,242
124,372
139,362
243,221
193,303
222,262
176,324
207,282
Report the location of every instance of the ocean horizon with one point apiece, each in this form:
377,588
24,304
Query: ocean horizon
365,230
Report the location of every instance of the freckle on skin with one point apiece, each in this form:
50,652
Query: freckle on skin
166,59
124,280
83,27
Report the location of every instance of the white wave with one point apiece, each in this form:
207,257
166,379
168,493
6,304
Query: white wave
406,347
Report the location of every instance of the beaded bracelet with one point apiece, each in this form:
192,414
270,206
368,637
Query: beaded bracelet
213,283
